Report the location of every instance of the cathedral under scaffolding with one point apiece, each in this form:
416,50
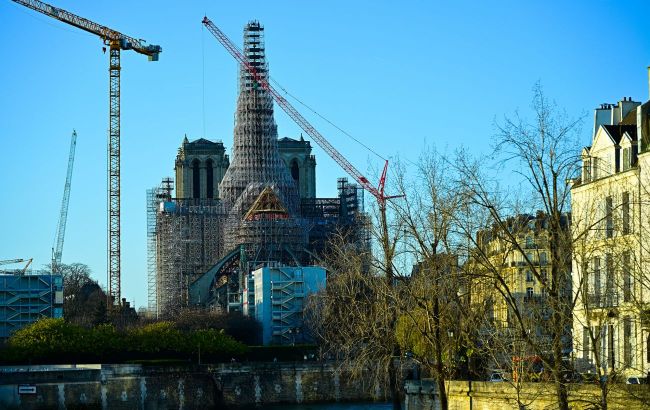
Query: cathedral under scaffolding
231,217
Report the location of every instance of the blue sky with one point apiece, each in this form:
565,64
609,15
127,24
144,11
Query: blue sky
397,75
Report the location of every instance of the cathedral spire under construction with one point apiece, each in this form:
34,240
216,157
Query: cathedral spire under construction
255,155
256,164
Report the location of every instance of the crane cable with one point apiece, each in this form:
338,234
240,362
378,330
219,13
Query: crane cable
203,74
326,120
318,114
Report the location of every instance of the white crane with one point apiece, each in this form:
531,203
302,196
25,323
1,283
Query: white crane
57,248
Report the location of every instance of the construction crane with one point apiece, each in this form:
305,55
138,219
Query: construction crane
57,249
377,192
12,261
116,42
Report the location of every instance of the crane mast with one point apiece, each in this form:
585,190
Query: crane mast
116,42
377,192
57,249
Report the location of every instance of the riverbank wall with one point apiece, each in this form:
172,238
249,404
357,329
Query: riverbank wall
230,386
465,395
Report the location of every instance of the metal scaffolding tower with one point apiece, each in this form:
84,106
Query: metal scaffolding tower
152,207
258,168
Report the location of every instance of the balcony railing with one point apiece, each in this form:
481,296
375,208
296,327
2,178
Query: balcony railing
603,300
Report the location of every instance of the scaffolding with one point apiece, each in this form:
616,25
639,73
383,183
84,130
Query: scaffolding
151,249
205,249
188,245
257,169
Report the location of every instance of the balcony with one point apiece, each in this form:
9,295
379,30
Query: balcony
536,299
606,300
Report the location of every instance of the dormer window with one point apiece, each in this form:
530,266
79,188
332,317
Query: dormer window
627,162
586,170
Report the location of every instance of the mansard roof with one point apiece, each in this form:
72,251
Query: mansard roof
630,118
616,132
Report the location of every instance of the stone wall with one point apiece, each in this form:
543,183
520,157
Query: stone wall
463,395
230,385
259,384
109,387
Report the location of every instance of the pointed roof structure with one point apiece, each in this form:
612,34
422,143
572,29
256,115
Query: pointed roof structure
267,206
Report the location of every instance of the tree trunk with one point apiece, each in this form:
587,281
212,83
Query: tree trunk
440,379
560,308
395,391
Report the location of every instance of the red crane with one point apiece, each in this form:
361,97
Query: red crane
377,192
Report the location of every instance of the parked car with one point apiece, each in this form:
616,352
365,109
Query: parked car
497,377
636,380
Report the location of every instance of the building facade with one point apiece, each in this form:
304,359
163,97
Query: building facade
200,167
26,298
611,221
512,268
297,156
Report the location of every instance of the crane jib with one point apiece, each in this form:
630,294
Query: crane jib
105,33
296,116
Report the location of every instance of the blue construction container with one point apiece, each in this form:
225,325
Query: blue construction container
26,298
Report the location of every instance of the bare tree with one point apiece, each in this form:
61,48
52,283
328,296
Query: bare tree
545,156
434,321
84,302
354,317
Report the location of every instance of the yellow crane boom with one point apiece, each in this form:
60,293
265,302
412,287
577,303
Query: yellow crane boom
116,42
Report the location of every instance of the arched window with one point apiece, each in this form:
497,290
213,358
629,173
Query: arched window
295,171
209,179
196,179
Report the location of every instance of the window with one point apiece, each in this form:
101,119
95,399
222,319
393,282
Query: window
585,280
295,170
586,338
609,281
627,277
529,293
529,242
544,274
542,259
594,167
611,358
596,279
586,170
209,178
196,179
529,257
627,344
625,206
609,220
529,276
626,159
